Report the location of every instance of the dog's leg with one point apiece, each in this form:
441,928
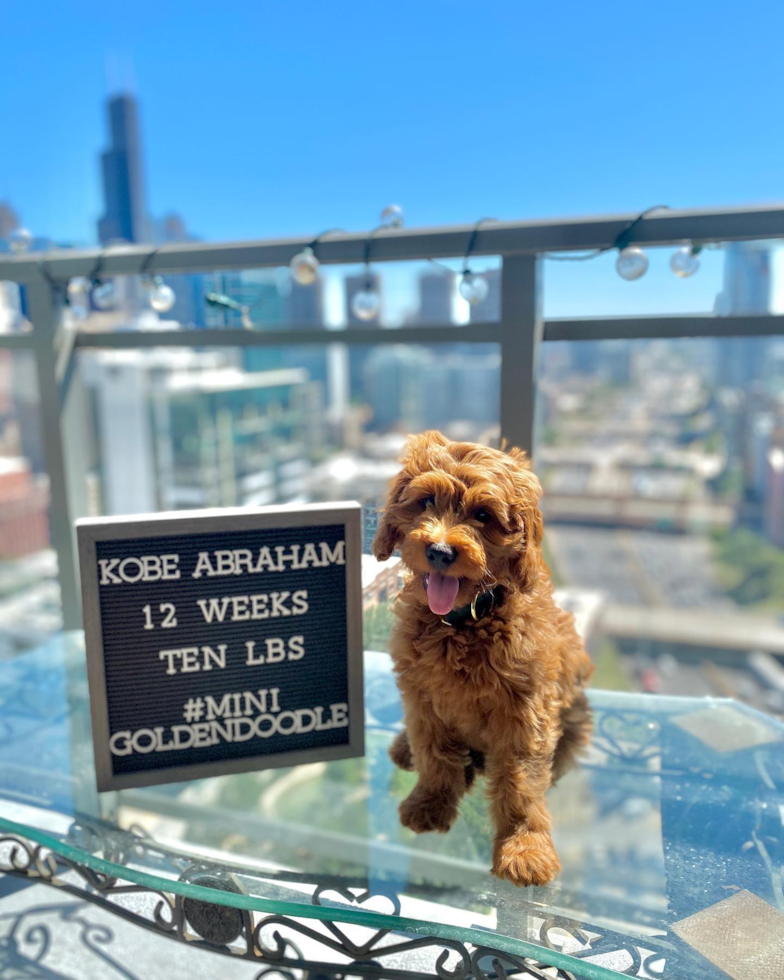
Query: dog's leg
400,751
523,851
576,728
440,761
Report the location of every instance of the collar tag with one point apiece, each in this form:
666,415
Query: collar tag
480,606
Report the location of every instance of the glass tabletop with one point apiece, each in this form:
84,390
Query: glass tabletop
673,824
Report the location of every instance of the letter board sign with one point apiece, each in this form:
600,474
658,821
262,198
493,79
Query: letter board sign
222,641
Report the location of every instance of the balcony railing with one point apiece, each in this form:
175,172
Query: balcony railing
518,332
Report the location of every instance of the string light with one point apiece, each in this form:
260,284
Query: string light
685,261
472,287
392,216
20,240
366,304
162,297
305,266
632,263
78,287
104,295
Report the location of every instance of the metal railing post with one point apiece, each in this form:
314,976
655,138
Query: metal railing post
45,308
521,334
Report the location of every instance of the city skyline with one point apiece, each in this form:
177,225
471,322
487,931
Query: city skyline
541,129
572,288
662,460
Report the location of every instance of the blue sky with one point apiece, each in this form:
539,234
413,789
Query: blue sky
273,118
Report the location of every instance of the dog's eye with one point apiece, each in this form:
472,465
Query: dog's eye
428,502
482,515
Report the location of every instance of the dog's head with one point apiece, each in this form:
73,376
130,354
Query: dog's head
464,517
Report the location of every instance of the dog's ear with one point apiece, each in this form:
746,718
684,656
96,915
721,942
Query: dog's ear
527,561
388,531
417,456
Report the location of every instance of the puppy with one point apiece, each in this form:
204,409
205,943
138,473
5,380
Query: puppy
490,670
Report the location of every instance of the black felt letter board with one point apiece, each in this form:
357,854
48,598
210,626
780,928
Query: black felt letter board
222,642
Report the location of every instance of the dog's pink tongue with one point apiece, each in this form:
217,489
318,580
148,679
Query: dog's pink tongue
441,593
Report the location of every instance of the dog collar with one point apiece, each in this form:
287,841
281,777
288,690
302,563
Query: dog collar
479,607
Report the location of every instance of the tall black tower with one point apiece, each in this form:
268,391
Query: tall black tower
125,216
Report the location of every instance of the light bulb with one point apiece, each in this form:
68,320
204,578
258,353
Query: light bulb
392,216
632,263
104,295
162,297
304,267
684,262
20,240
78,286
473,288
366,304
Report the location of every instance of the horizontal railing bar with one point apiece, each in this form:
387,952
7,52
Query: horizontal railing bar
654,327
608,328
499,238
475,333
16,341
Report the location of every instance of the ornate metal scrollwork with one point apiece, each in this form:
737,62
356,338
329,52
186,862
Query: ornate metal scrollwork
269,939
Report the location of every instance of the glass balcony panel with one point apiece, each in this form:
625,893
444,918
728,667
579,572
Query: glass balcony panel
13,309
177,428
29,590
663,469
736,278
409,294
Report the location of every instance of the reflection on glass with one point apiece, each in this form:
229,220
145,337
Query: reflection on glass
409,294
167,429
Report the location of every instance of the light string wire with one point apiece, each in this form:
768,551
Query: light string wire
622,239
226,302
469,249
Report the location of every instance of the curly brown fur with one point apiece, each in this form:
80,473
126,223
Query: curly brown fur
504,693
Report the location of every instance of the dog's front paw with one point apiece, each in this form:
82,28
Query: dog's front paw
526,859
422,812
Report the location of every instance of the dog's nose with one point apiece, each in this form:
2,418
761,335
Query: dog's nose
440,555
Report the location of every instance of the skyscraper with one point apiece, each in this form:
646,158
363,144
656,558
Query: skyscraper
746,290
125,216
306,304
306,309
435,298
9,220
185,428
